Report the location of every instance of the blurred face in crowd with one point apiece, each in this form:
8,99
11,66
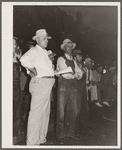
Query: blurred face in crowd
112,72
100,69
78,58
89,65
51,56
14,44
42,41
69,48
30,46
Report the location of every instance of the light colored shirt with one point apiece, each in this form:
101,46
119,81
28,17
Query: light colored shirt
62,65
98,77
38,58
91,75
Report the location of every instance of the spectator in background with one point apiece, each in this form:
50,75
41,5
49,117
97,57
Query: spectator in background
82,122
90,80
30,44
100,86
51,55
39,66
16,90
109,90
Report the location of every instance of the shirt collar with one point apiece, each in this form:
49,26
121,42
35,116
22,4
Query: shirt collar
68,57
39,48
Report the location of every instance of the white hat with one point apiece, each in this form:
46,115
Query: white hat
88,60
41,32
67,41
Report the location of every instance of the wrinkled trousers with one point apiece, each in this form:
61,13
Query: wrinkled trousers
66,108
40,89
83,107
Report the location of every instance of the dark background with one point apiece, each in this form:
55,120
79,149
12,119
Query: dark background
92,28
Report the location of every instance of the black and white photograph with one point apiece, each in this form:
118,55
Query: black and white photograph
61,75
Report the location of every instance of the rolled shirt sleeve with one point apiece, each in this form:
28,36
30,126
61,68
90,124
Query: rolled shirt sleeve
62,65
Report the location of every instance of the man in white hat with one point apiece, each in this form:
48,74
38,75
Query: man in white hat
37,62
67,93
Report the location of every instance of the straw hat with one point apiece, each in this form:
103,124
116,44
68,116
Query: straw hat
88,60
77,51
65,42
41,32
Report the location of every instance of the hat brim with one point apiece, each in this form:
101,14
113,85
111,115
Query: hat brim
62,46
77,53
89,61
35,37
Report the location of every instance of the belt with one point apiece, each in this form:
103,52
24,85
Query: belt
48,77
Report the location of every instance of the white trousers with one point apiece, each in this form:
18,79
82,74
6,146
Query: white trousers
93,91
40,89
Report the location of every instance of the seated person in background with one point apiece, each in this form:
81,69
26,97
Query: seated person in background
90,80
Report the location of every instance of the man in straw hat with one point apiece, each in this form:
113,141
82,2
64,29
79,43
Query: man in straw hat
67,93
37,62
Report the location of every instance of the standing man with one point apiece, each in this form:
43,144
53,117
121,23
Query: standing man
82,122
39,66
16,90
109,90
100,86
67,93
90,80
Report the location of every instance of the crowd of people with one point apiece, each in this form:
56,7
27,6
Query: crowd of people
35,74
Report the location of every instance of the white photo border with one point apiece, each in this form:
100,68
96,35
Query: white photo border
7,62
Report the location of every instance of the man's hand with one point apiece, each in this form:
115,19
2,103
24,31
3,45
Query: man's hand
56,71
33,72
77,76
